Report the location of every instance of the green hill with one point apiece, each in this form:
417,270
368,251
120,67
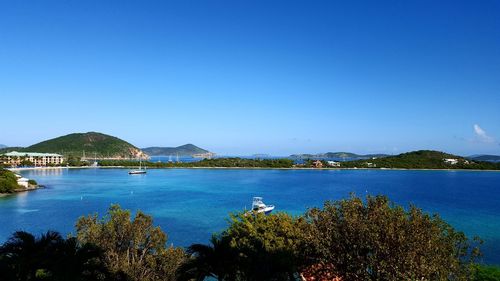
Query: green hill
183,150
100,144
422,159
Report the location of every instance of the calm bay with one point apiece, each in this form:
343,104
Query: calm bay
191,204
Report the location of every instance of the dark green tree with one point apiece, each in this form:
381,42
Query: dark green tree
217,260
377,240
50,257
254,247
134,247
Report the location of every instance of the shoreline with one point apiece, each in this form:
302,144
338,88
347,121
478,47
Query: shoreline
19,190
248,168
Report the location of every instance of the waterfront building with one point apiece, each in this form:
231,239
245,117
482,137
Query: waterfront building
15,159
451,161
333,163
317,164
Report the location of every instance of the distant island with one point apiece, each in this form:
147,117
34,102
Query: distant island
337,155
183,150
485,157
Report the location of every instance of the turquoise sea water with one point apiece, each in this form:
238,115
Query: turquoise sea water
191,204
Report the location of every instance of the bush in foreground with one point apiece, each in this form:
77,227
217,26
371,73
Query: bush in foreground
487,273
50,257
254,247
351,239
134,248
377,240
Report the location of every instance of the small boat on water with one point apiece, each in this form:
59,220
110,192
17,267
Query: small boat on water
138,171
258,206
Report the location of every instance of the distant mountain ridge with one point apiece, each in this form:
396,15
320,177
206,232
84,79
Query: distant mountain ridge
348,155
183,150
11,148
3,146
485,157
91,142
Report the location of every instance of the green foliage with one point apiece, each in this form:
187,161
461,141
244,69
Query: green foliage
268,247
74,161
209,163
422,159
91,142
135,247
352,239
183,150
27,163
32,182
8,181
254,247
487,273
50,257
376,240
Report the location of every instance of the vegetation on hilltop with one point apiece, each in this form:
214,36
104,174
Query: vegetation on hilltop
91,142
421,159
183,150
8,181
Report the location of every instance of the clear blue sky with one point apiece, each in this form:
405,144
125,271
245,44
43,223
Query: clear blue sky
244,77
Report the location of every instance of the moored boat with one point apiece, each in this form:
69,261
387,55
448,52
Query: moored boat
138,171
258,206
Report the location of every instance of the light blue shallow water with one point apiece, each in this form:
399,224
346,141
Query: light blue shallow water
191,204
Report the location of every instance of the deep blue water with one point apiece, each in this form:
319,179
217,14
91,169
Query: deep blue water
191,204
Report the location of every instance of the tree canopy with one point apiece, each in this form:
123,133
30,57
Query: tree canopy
8,181
135,247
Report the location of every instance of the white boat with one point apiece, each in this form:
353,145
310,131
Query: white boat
138,171
258,206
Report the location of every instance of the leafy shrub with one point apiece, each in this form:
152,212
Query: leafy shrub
377,240
8,181
487,273
135,247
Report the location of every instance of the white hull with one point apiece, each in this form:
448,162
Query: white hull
136,172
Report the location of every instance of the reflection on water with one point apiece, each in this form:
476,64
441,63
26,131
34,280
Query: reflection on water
41,172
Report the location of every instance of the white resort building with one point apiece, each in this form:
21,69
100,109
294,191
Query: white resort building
451,161
333,163
15,158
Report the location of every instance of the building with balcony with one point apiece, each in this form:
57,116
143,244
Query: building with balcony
36,159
